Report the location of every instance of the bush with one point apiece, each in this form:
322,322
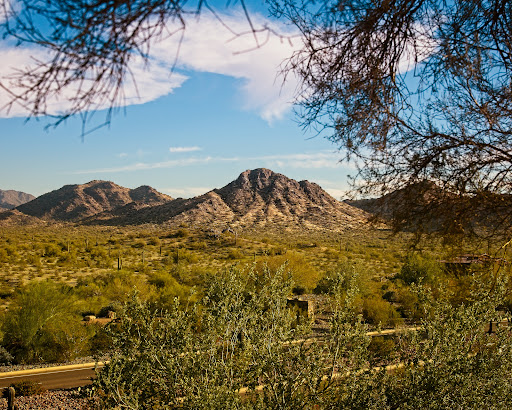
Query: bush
27,388
200,356
182,233
154,241
419,270
234,254
5,357
377,311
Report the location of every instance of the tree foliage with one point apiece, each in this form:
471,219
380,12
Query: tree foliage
413,91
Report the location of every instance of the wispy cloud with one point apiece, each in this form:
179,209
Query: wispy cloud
207,46
184,149
306,161
314,160
186,192
140,166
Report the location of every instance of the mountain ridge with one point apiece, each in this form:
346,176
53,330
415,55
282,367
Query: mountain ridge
10,199
257,198
75,202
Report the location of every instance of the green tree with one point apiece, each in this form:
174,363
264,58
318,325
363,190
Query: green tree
41,324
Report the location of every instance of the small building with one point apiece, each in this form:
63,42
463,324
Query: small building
460,265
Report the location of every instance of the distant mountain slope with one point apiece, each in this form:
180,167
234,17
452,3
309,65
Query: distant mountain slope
386,205
10,199
76,202
12,217
256,198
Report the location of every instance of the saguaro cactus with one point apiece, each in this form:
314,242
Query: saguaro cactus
11,394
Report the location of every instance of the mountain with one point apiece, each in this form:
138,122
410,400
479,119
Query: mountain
256,198
11,199
76,202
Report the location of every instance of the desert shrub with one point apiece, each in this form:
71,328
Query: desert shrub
100,290
182,233
234,253
138,244
52,250
4,257
154,241
331,253
27,388
5,357
33,259
409,305
199,245
377,311
6,290
101,341
277,250
302,272
199,356
381,349
182,255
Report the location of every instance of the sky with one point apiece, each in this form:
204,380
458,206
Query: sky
222,110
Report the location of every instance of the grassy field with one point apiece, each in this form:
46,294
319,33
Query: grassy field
69,253
63,273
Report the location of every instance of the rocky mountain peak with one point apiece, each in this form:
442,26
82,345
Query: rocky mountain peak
147,194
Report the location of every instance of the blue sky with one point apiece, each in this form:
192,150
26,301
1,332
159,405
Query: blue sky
223,110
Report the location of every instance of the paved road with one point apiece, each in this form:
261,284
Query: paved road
52,378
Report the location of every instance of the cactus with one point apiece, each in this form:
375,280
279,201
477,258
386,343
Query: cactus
11,393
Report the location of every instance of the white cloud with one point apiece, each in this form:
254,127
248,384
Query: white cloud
207,46
146,83
141,166
122,155
184,149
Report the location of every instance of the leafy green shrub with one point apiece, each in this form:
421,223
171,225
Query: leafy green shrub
41,324
419,270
